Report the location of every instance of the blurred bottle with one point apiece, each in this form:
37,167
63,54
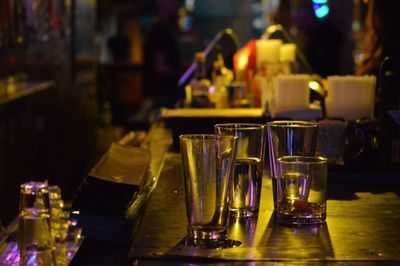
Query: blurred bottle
218,93
226,73
197,91
288,58
260,85
269,65
389,112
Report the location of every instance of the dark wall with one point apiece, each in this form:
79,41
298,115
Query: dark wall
49,135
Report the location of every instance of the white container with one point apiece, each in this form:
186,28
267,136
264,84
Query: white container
289,93
350,97
267,51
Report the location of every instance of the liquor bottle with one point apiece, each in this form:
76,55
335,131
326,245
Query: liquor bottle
218,93
389,112
288,58
199,85
226,73
260,90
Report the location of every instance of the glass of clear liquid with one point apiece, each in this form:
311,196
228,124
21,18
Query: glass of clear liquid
248,168
289,138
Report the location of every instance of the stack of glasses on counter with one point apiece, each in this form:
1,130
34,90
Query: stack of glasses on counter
299,177
46,234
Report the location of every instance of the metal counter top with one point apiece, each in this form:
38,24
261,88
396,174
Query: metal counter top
362,227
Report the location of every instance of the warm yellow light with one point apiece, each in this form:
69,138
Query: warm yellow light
243,59
314,85
317,87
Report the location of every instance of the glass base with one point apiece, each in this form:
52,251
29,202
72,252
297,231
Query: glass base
38,257
290,219
244,212
207,233
209,237
211,244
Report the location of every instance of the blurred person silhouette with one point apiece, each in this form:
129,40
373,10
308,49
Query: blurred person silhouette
382,35
119,45
330,43
342,14
323,49
161,68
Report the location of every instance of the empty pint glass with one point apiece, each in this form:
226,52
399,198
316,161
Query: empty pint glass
207,172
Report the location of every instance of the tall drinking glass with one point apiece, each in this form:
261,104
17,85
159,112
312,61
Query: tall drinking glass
248,168
207,172
289,138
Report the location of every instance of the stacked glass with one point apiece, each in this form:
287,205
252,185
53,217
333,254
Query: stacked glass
299,177
46,234
59,217
35,241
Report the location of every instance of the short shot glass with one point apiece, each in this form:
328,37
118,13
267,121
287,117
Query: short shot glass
301,190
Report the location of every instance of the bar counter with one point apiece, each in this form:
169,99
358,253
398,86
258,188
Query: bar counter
363,215
25,90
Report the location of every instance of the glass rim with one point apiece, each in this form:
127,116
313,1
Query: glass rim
302,159
210,137
36,212
241,126
292,123
33,185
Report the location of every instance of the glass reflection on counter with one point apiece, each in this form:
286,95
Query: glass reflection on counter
311,241
243,229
